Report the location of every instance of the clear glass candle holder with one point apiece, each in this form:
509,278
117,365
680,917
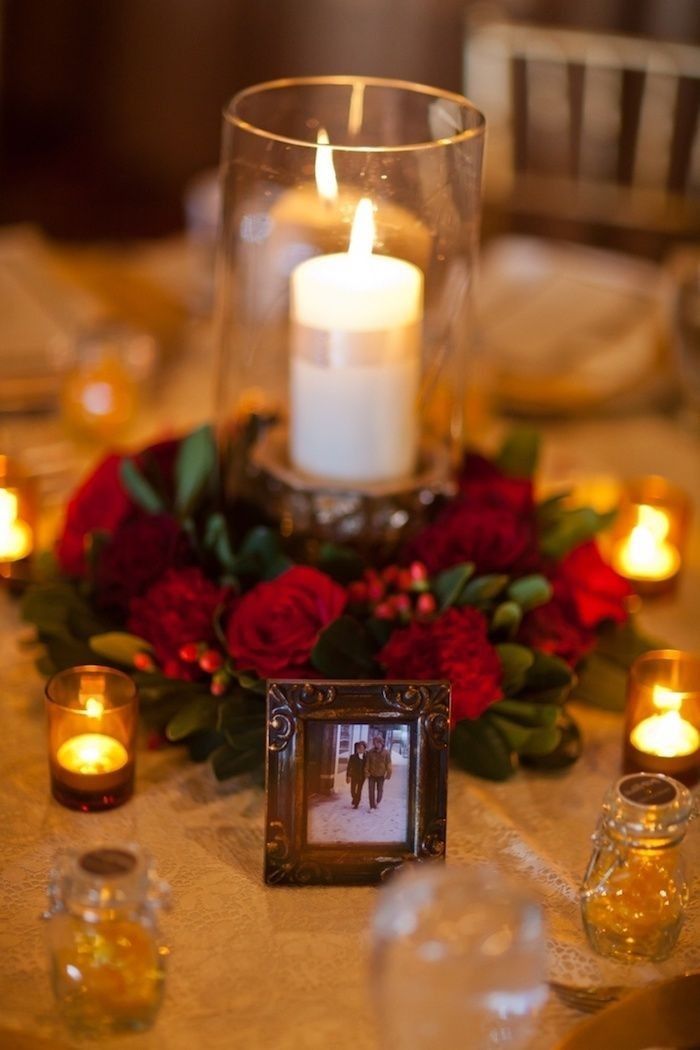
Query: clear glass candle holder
650,533
350,223
92,714
662,724
17,521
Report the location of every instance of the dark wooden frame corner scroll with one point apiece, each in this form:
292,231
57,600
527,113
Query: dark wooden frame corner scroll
292,706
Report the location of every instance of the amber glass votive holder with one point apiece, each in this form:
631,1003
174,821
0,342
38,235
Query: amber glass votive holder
17,522
92,713
650,533
662,727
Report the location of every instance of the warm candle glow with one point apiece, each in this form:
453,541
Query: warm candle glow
92,753
646,554
15,534
326,182
666,734
363,231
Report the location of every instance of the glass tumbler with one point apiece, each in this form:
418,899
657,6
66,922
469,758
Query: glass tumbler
458,961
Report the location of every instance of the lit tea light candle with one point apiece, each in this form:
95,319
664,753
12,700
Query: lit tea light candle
355,371
646,554
92,754
16,538
92,722
666,734
663,723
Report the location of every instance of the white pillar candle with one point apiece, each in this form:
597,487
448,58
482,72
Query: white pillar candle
355,369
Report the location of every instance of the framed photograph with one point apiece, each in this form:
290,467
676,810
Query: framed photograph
356,779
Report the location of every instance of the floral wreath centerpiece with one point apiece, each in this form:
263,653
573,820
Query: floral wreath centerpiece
506,597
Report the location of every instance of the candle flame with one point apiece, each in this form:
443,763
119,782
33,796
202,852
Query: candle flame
93,707
653,520
666,699
15,534
363,230
326,182
646,553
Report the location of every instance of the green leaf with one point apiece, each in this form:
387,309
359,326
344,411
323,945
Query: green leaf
261,555
200,746
251,682
519,453
344,650
515,662
547,672
197,715
526,714
228,762
515,734
195,469
567,751
530,591
506,618
340,563
448,585
623,643
601,682
140,490
541,741
218,542
482,589
119,646
480,748
572,528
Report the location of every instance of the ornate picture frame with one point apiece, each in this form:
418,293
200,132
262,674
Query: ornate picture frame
318,829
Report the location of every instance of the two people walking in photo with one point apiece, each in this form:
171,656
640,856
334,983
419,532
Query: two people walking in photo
373,765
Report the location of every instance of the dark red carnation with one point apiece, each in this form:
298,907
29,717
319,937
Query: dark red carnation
101,502
555,628
586,593
178,608
455,647
482,481
142,548
497,539
274,627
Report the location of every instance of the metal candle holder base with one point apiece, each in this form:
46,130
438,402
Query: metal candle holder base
376,517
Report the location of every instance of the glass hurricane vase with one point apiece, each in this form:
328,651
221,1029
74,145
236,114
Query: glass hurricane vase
349,236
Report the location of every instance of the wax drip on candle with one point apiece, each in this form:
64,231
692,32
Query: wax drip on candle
666,734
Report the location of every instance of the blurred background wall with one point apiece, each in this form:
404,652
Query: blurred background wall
108,107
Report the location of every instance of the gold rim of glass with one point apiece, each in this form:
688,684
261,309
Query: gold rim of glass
231,117
641,667
92,669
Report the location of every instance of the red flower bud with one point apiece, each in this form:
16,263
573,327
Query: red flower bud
144,662
418,571
189,652
425,606
385,611
390,574
375,590
211,660
401,602
405,580
218,687
357,591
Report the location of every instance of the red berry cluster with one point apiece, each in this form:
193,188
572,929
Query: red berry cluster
209,660
395,593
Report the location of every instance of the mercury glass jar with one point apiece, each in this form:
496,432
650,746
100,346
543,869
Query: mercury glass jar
634,891
107,959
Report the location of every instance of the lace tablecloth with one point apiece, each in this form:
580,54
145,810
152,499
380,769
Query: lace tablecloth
257,967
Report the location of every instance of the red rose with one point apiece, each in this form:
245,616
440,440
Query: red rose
142,548
495,538
101,502
456,647
179,608
597,592
274,627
